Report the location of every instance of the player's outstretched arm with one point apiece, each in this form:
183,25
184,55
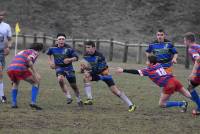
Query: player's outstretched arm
131,71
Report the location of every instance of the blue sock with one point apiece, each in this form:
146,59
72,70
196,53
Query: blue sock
195,98
174,103
105,77
14,97
34,94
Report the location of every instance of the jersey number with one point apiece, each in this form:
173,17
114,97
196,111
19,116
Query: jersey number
161,72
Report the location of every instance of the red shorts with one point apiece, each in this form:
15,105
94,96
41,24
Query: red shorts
16,75
172,86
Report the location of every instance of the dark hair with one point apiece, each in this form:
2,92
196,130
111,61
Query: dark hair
190,36
161,30
61,34
152,59
36,46
90,43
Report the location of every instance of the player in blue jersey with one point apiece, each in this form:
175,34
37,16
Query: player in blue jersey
60,58
164,51
99,71
163,79
5,45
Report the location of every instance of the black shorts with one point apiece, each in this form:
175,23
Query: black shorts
95,77
70,76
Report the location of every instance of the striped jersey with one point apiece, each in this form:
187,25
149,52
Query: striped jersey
164,52
194,51
157,74
21,60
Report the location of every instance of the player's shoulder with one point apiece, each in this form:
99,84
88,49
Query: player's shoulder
4,24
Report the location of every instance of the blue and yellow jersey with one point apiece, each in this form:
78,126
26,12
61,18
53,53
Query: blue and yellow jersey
97,62
60,53
164,51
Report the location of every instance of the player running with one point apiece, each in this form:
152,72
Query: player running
164,51
194,78
60,58
160,77
21,68
99,71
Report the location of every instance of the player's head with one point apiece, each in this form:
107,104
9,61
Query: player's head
152,59
160,35
90,47
189,38
61,39
2,15
36,46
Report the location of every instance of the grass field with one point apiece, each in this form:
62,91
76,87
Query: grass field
108,115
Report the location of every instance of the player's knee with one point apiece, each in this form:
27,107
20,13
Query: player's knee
61,79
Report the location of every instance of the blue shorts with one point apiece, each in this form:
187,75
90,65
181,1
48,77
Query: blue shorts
95,77
68,74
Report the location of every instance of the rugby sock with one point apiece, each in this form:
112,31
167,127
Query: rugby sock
125,99
34,94
14,97
105,77
1,89
174,103
88,90
195,97
78,98
68,95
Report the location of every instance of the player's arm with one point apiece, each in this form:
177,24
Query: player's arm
73,57
131,71
175,54
50,62
196,64
36,76
148,53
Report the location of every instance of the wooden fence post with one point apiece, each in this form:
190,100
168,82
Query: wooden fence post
73,44
35,38
54,42
139,54
24,41
97,44
125,52
111,49
187,62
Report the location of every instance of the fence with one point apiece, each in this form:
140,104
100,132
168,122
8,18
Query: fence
112,49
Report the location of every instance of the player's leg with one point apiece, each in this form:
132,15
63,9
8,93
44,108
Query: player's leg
194,94
72,81
167,91
14,92
2,95
115,90
13,75
65,89
87,77
165,103
34,91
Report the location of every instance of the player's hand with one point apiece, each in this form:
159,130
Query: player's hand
190,77
147,62
52,66
174,61
119,70
6,51
67,60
